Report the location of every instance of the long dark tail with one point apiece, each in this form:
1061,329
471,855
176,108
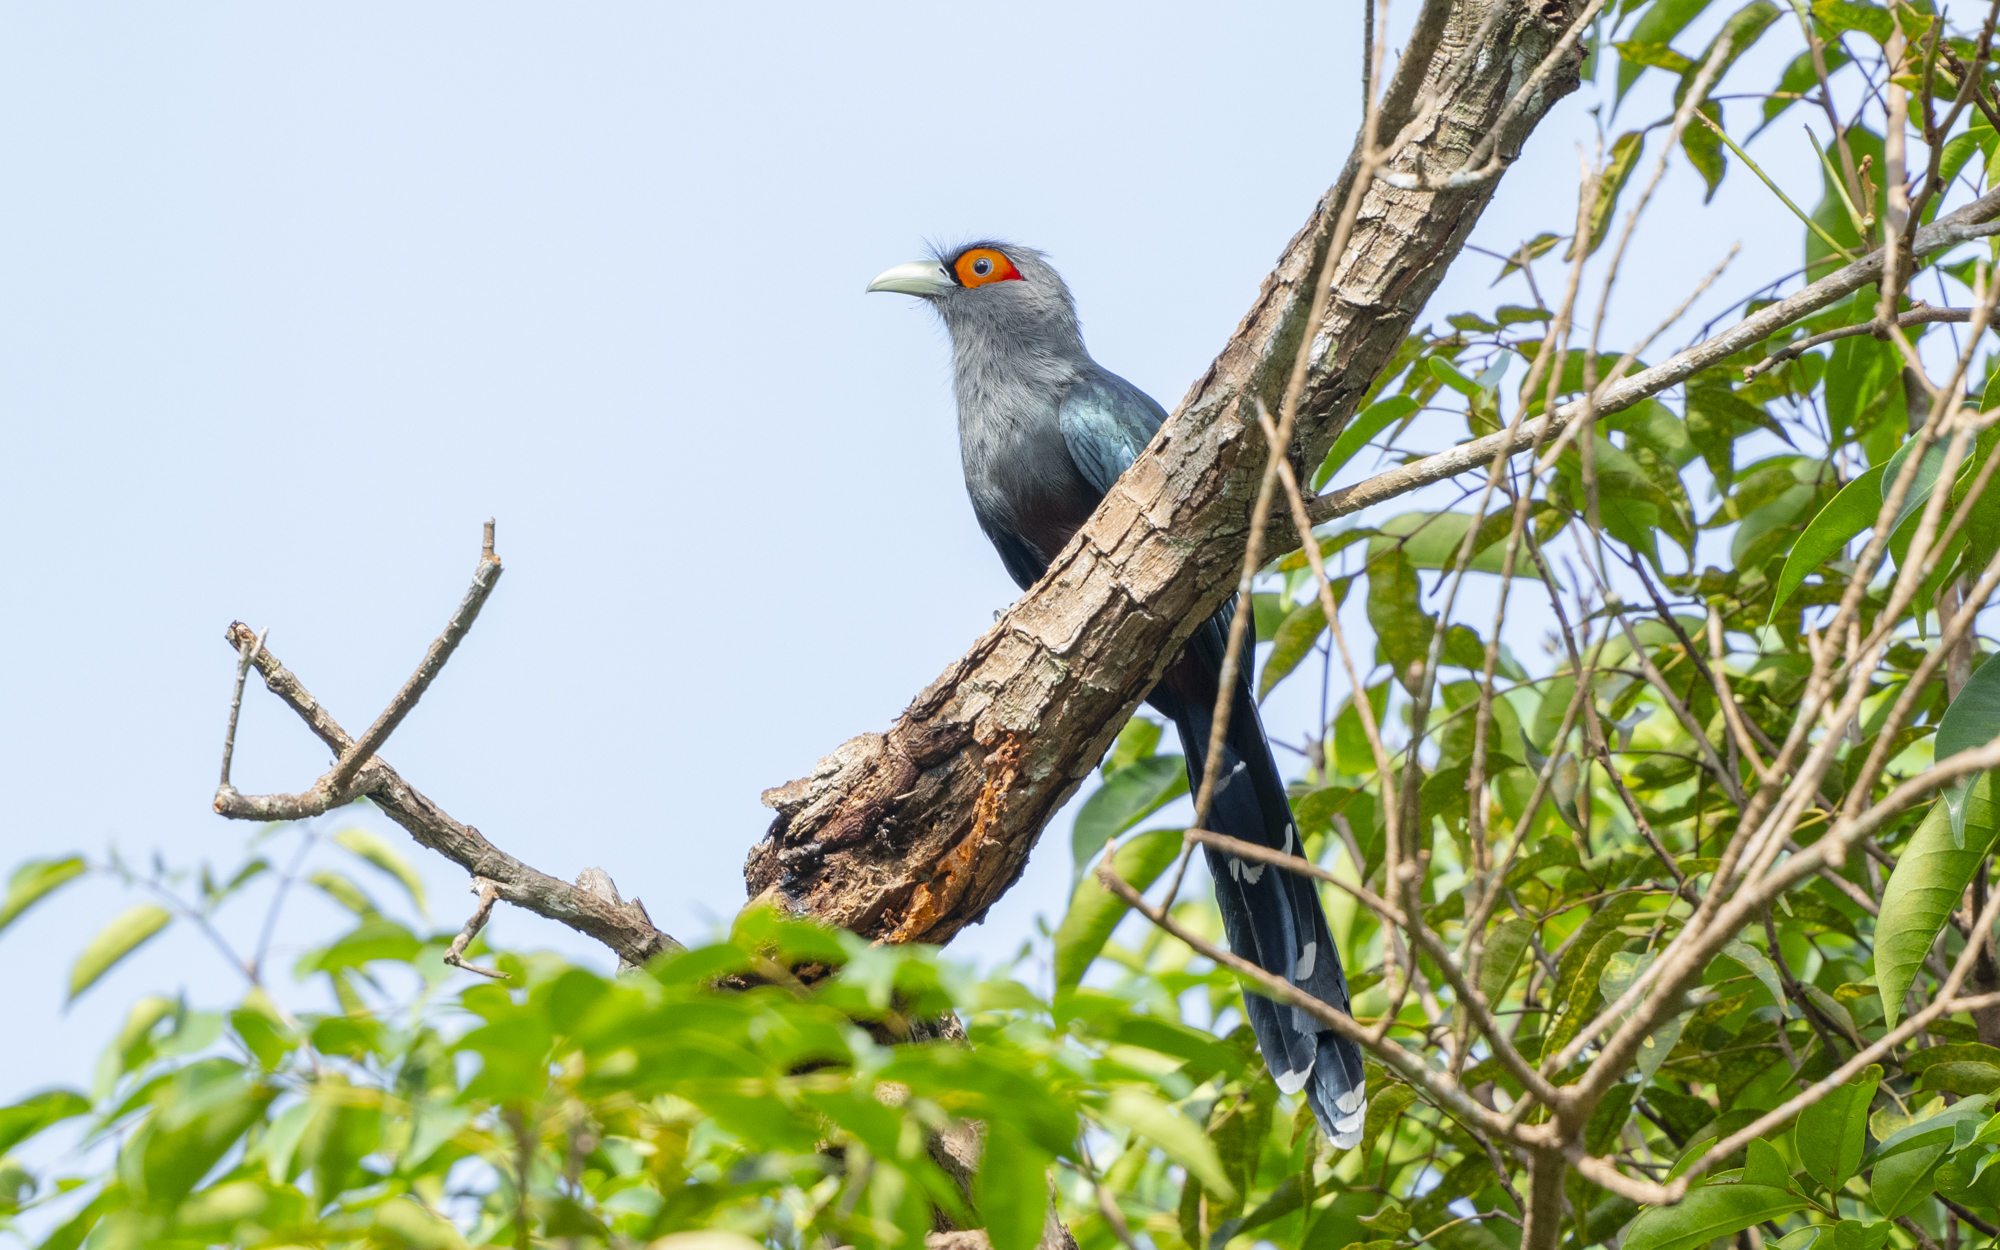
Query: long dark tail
1271,917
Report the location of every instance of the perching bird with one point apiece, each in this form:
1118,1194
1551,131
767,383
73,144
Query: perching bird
1044,431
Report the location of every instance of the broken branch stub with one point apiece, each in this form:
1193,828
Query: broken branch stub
912,834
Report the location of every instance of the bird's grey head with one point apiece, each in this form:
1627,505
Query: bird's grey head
991,290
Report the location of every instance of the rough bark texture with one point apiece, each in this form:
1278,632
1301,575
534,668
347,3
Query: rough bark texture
913,834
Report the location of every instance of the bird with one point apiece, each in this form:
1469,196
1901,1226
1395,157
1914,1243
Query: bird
1044,431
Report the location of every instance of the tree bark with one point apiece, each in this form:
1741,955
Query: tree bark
1542,1221
912,834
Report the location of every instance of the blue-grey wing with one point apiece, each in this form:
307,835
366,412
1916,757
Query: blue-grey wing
1106,422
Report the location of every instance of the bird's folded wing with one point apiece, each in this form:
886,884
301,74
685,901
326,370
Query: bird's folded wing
1106,422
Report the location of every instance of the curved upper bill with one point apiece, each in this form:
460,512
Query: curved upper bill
926,278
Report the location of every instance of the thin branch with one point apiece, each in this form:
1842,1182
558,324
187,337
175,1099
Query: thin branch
338,787
1410,1067
489,894
1920,314
1970,222
621,925
484,578
236,704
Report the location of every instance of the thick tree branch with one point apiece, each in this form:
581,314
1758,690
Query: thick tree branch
912,834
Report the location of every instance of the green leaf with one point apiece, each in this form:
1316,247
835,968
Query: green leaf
1095,911
1384,1109
1362,430
1704,148
1763,1165
1533,249
1432,540
1329,544
1624,158
1653,56
375,849
1943,1125
281,1143
366,942
1662,20
1833,1131
1854,509
198,1117
1757,964
1972,720
343,891
31,1115
1451,377
262,1037
1855,1235
1620,970
1608,1121
1743,29
1505,945
1127,797
407,1223
1953,1052
1871,20
1961,1078
1582,966
1137,741
1902,1181
1930,877
1848,513
1351,752
1402,627
1861,367
1921,484
116,940
1183,1141
1707,1213
1799,78
36,880
1297,634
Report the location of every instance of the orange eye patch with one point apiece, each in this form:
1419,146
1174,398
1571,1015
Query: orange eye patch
982,265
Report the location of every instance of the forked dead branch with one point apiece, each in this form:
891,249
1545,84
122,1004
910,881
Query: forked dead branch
591,905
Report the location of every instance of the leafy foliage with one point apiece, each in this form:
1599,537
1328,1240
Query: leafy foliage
1558,823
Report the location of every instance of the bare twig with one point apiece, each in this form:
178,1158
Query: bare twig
1920,314
236,704
338,787
622,926
488,893
1410,1067
484,578
1968,223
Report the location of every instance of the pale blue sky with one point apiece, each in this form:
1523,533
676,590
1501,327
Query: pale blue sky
293,297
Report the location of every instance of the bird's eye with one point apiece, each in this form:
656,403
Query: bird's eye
981,265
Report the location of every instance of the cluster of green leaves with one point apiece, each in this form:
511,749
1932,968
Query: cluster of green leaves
712,1090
